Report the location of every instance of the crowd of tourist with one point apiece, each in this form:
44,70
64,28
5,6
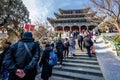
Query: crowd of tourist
20,59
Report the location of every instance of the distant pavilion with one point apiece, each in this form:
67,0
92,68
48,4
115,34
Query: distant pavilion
79,19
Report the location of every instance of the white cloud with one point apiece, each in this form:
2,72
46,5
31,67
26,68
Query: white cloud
64,5
39,9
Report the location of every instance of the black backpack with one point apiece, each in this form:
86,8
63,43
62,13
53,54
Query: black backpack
66,44
80,37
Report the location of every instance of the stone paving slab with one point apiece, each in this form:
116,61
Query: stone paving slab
76,60
109,63
86,58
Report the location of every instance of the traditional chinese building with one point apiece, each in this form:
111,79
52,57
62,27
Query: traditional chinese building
79,19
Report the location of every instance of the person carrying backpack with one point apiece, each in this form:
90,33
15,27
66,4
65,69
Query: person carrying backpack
44,63
18,60
80,40
66,45
60,49
87,43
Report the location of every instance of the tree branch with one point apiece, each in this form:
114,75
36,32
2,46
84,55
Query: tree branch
102,6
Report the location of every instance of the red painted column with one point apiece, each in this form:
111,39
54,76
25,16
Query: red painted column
63,28
79,28
70,28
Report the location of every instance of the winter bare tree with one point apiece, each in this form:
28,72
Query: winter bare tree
109,7
42,33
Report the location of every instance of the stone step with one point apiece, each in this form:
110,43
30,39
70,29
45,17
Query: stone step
83,57
79,70
76,76
38,77
81,61
83,65
59,78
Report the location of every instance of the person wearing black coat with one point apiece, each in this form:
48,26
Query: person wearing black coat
80,40
66,46
6,47
87,43
46,68
19,63
60,48
2,55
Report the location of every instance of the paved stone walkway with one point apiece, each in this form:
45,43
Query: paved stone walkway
110,64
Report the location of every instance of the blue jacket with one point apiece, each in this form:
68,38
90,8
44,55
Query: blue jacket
72,42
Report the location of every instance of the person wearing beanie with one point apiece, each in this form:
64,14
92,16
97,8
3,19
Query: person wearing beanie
22,58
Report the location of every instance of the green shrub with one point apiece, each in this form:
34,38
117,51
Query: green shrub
117,38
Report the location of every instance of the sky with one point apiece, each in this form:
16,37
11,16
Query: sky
41,9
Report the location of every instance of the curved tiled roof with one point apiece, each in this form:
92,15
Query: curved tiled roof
81,10
80,19
82,14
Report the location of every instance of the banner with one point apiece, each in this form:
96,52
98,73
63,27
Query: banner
28,27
